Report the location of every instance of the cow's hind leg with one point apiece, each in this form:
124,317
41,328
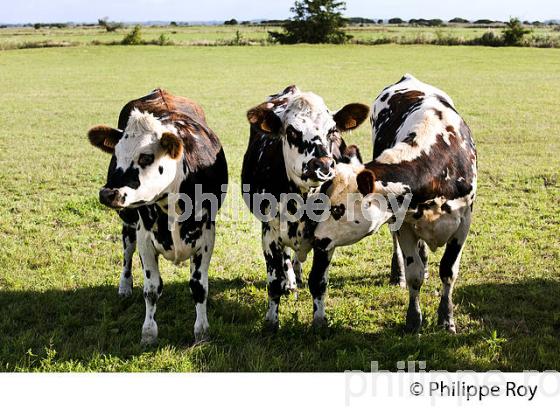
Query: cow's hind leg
414,271
198,283
448,272
397,264
273,253
318,281
129,246
153,287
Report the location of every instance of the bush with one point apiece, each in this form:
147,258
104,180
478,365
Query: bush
164,40
232,22
514,32
133,38
396,20
489,39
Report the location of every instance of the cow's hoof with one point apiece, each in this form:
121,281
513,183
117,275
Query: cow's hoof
398,281
125,293
413,322
149,335
290,288
320,323
271,327
449,326
400,284
149,341
201,336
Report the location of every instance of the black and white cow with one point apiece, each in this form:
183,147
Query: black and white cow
164,148
294,143
423,152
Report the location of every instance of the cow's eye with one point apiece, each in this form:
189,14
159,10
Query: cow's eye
145,159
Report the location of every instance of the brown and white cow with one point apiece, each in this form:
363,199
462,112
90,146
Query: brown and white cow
164,149
294,143
424,173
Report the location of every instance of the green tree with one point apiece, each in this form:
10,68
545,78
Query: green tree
514,32
314,21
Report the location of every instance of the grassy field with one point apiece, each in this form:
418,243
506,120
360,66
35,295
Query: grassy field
61,252
209,35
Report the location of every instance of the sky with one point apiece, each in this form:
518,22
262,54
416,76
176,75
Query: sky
24,11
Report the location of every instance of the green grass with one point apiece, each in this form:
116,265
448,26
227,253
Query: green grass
61,253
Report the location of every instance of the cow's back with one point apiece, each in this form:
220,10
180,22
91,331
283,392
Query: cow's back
394,107
420,140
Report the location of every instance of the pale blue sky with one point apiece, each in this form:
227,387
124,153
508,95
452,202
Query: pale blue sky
20,11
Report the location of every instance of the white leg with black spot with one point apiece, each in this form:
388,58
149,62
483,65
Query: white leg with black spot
153,287
414,272
198,283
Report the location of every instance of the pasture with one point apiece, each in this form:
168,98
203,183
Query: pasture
22,37
61,250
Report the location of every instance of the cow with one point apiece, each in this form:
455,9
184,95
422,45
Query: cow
425,161
164,151
293,146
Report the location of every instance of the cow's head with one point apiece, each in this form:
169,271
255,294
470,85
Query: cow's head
147,158
356,209
309,132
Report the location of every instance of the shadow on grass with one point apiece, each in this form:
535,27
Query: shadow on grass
92,322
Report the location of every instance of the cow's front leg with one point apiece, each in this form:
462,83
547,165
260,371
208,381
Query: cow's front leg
296,263
318,281
129,246
448,272
198,283
153,287
424,252
291,278
414,272
276,277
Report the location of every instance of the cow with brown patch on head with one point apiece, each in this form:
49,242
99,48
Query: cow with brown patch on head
163,149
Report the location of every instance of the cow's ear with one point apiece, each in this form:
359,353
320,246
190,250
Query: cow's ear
264,119
105,138
171,144
351,116
366,182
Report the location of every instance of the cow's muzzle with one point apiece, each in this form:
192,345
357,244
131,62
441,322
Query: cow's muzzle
111,197
320,169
